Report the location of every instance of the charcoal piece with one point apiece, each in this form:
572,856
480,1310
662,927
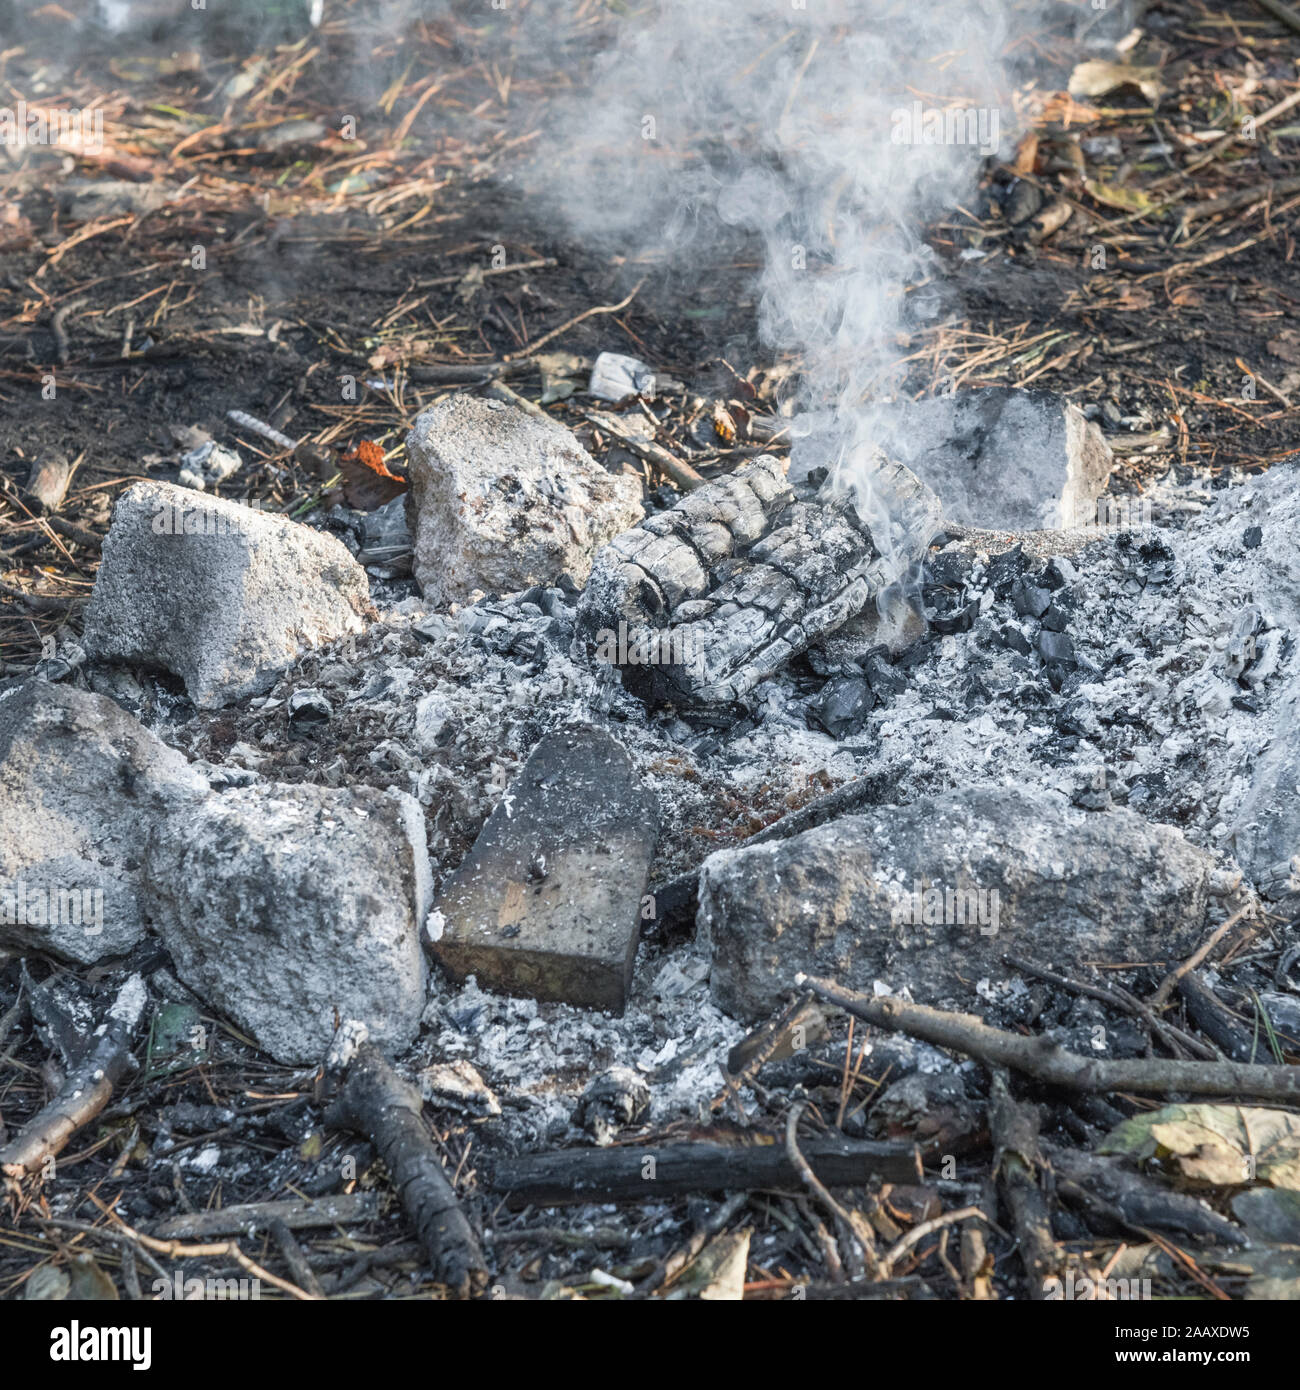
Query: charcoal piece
1059,572
1056,649
1030,600
1015,639
961,621
949,569
843,705
309,711
699,604
886,681
1252,537
612,1101
1004,569
1061,610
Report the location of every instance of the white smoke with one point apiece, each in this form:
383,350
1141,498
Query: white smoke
830,129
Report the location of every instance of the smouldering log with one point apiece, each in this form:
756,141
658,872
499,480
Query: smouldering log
699,604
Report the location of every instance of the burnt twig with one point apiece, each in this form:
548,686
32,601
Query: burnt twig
1018,1162
375,1102
642,1173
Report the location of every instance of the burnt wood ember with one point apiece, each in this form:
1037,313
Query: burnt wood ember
619,1174
699,604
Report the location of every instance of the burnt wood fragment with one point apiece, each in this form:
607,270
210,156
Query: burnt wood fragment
698,604
649,1173
376,1102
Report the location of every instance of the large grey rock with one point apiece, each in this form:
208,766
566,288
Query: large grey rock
1256,587
222,595
1005,458
81,782
1267,821
290,906
501,500
548,903
1016,870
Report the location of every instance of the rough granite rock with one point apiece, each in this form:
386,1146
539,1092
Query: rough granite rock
220,594
1007,458
81,782
501,500
1015,869
548,903
1266,820
290,906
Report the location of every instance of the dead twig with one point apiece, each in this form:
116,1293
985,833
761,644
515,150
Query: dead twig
668,464
575,321
861,1243
926,1228
1047,1062
541,263
340,1210
1167,986
86,1089
375,1102
1281,12
1174,1038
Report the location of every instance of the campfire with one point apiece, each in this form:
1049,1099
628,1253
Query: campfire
731,735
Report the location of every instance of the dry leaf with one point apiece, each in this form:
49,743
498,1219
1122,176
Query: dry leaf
1222,1145
1097,77
1113,195
1027,153
367,483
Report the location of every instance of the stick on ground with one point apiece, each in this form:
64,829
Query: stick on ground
86,1090
377,1103
1045,1061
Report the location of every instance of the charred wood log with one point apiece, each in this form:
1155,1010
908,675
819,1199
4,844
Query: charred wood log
1019,1165
375,1102
1126,1200
699,604
651,1173
1213,1017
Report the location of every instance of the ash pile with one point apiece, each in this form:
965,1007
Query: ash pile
608,824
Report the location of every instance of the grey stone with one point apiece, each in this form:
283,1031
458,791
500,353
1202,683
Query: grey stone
288,906
1006,458
222,595
548,902
1015,869
81,782
501,499
1267,823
